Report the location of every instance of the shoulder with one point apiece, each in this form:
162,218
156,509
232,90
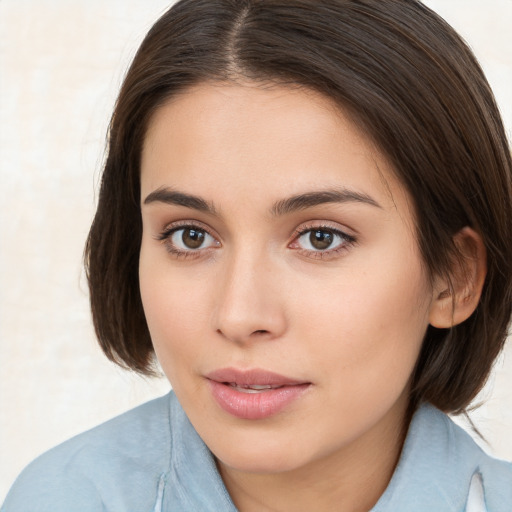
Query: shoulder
442,468
491,475
116,463
495,473
465,463
494,476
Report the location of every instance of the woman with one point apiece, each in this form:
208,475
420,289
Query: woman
305,213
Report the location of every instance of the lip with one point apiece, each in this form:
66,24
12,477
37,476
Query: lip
231,389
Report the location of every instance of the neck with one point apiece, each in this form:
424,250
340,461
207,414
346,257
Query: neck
350,480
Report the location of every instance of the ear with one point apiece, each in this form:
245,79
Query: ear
452,306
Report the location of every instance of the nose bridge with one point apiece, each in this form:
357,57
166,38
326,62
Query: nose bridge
248,302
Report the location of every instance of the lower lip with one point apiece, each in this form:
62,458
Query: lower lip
255,406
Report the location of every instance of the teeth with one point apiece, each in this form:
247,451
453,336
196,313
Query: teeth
252,388
248,390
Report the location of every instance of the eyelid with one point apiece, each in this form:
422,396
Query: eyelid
188,223
322,224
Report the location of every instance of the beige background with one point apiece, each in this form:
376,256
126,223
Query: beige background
61,64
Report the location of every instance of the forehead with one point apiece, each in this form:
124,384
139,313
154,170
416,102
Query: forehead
261,141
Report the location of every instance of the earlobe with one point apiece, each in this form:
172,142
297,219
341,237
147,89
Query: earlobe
453,304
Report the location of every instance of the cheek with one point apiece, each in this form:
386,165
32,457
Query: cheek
367,327
174,308
364,345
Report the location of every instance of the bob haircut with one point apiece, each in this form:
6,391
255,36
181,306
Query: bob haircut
404,77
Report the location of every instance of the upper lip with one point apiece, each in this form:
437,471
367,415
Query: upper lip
252,377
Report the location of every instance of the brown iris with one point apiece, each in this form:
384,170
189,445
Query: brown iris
321,239
193,238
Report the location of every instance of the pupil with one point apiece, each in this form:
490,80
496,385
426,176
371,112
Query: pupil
192,238
321,239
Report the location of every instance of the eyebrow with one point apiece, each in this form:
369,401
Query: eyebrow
280,208
311,199
169,196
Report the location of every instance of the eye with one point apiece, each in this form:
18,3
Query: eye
190,238
187,240
321,241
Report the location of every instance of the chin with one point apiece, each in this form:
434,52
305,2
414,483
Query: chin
261,456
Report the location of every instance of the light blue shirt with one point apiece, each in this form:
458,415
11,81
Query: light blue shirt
151,459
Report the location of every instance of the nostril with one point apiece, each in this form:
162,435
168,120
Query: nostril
261,331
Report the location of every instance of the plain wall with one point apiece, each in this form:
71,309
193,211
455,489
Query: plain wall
61,65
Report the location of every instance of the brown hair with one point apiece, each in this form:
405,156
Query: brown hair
404,76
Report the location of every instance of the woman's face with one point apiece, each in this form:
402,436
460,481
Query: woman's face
281,280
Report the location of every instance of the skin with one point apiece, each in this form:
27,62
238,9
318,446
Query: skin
348,320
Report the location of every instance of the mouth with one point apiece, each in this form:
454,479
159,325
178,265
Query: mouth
254,394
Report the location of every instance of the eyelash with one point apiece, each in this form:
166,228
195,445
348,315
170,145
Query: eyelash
347,240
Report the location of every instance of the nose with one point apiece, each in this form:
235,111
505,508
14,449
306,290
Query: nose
249,304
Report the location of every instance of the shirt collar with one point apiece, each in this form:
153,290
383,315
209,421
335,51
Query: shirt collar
435,468
434,471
